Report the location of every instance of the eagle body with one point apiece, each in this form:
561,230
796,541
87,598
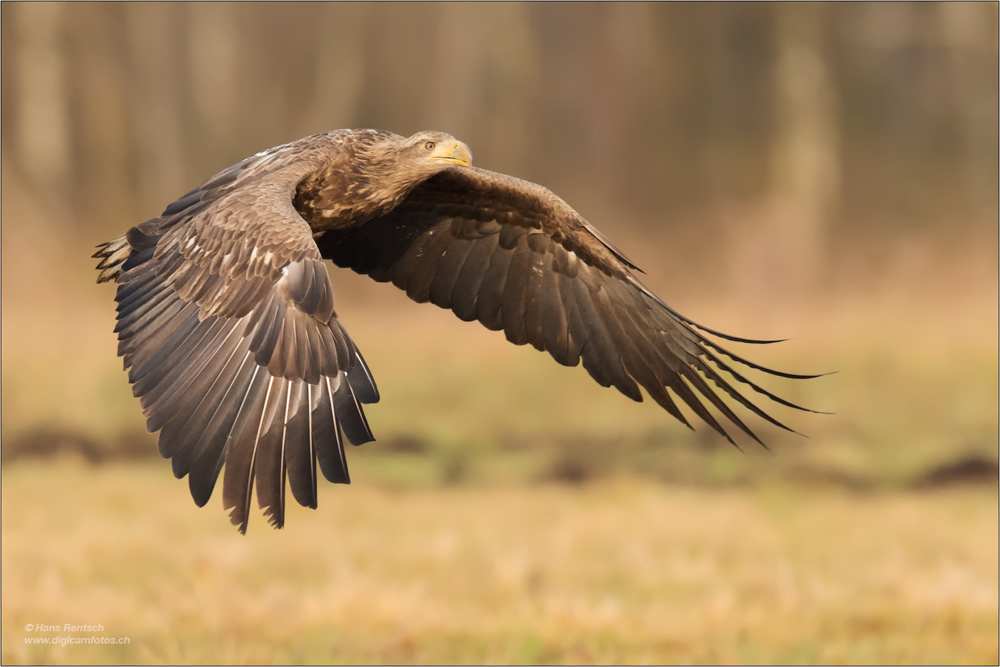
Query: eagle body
226,318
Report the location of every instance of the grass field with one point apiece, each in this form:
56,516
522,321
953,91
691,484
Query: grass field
511,511
618,571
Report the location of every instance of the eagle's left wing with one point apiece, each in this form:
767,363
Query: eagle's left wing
515,257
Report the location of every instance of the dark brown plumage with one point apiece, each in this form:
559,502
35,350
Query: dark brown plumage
227,326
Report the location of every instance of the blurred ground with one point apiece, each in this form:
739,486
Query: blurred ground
514,512
621,571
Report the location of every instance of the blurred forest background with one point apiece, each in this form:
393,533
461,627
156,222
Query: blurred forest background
790,170
826,172
876,121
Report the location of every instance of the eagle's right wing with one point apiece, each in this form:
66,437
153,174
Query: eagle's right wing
227,327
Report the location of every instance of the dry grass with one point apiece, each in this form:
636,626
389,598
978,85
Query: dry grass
614,572
402,568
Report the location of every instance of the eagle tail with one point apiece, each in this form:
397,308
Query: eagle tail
112,254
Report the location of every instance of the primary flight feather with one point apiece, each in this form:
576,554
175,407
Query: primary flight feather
227,326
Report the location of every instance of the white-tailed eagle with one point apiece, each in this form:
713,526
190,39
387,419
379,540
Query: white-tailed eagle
227,326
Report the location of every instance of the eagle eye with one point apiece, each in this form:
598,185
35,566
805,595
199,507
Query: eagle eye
430,145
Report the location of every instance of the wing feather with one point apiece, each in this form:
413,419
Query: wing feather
445,279
516,257
491,294
327,434
471,278
227,328
515,297
301,458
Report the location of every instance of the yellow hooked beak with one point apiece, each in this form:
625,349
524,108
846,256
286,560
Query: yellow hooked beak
454,152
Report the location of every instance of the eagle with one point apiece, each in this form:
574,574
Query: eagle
227,327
